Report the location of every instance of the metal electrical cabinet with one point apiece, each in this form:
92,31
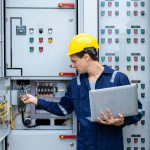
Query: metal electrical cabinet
37,34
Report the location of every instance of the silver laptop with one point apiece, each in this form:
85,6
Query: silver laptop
120,99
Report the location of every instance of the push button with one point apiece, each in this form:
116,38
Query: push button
102,40
102,13
142,86
142,4
109,13
128,13
116,40
142,58
135,58
128,58
129,68
102,4
142,13
135,68
128,140
110,40
142,140
135,31
142,68
128,31
142,40
128,40
102,58
116,4
116,31
128,4
109,31
142,31
109,59
135,140
116,58
135,13
102,31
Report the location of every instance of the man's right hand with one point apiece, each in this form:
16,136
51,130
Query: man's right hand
29,99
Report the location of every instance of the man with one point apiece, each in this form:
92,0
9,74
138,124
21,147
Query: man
106,133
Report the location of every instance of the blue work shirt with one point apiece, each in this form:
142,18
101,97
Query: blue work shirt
91,135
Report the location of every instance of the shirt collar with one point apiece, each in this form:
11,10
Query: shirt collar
107,70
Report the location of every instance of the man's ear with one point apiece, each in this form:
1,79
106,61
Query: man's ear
87,57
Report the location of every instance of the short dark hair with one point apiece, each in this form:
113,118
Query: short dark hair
89,50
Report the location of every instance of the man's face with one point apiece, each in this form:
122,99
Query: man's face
79,63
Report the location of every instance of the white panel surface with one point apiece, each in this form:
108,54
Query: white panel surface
38,140
53,59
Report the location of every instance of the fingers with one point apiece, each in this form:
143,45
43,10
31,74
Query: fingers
111,120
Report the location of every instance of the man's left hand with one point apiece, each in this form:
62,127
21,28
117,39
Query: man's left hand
111,120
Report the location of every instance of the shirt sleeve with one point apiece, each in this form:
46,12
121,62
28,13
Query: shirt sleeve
123,80
62,108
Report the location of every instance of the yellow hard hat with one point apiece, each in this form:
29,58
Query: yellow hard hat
81,41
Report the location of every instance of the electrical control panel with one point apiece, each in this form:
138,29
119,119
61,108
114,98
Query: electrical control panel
123,31
38,37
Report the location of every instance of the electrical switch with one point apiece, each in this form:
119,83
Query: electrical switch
109,40
31,49
142,13
142,58
109,4
128,140
135,68
128,13
135,140
41,49
116,40
142,68
116,58
135,13
102,40
128,58
142,86
102,13
129,68
135,40
31,30
109,31
50,30
31,39
116,4
40,40
135,4
128,31
103,58
128,4
102,31
128,40
109,13
116,31
40,30
109,59
142,40
135,58
142,4
135,31
142,122
142,31
50,40
142,140
102,4
117,13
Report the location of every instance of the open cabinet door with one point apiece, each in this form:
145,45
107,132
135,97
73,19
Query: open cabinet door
5,108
